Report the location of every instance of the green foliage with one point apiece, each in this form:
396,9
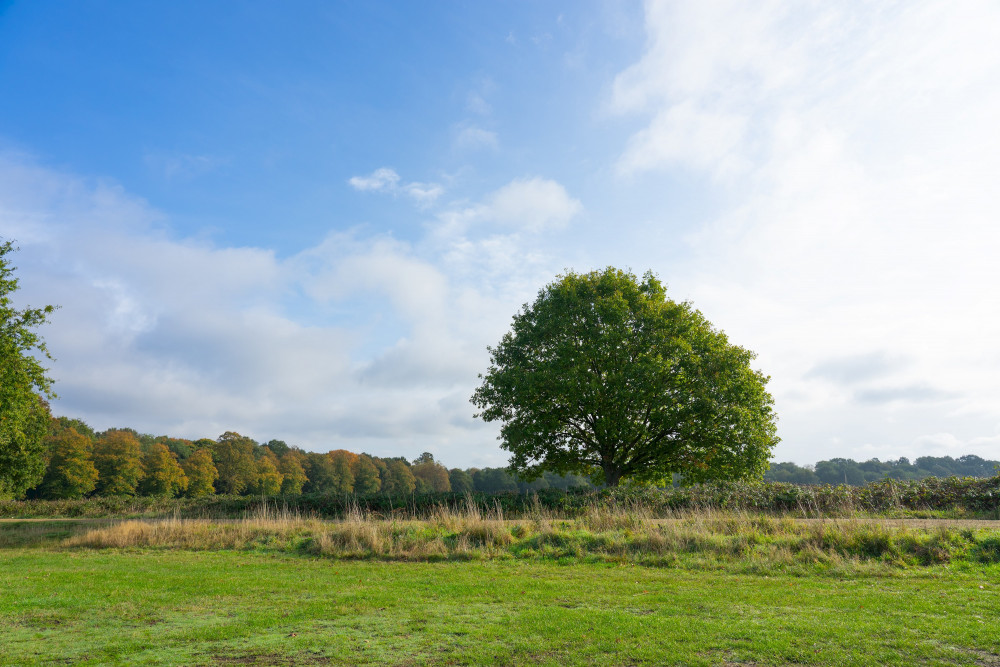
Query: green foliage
117,456
954,497
293,474
59,423
164,475
180,447
320,473
366,476
342,464
24,415
71,472
279,447
398,480
494,480
604,375
233,455
854,473
268,477
201,473
434,475
461,481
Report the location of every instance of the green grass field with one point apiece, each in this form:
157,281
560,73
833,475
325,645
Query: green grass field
66,604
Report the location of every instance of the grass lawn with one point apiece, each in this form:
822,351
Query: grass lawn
153,606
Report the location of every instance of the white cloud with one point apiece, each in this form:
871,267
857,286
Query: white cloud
477,104
423,193
381,179
470,138
387,180
857,146
686,135
182,166
532,204
366,343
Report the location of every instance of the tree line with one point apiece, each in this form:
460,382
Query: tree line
602,376
854,473
80,462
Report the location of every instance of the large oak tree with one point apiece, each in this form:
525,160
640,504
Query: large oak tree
604,375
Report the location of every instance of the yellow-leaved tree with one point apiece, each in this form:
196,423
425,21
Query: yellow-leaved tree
71,472
164,475
117,456
201,473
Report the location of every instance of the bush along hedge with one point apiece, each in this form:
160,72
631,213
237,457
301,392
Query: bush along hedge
962,495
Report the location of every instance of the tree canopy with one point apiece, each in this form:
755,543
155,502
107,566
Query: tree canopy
24,385
606,376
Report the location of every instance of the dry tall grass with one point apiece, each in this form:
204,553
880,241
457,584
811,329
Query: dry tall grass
629,533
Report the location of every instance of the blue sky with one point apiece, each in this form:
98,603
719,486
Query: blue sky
308,220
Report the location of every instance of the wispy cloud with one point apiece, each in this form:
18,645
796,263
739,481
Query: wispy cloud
471,138
850,148
182,166
382,179
385,179
363,342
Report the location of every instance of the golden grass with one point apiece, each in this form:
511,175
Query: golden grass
619,534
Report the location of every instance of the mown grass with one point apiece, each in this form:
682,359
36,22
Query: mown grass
178,607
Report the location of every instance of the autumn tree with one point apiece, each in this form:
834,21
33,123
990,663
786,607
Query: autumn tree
117,456
279,447
343,474
269,478
164,475
179,446
366,477
319,473
293,473
57,424
433,474
70,472
201,473
24,385
398,480
604,375
233,456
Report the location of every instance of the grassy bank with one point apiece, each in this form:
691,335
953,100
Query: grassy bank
693,540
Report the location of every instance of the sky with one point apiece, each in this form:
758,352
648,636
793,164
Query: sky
308,220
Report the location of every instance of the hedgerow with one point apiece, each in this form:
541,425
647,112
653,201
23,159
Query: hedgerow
972,496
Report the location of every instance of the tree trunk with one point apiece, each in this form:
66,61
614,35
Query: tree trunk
612,476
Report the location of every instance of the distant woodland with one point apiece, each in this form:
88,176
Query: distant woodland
122,462
855,473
